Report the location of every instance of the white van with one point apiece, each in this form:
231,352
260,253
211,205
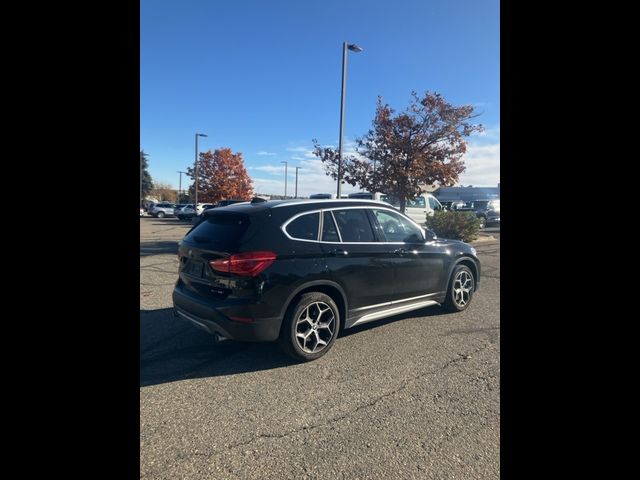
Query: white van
416,209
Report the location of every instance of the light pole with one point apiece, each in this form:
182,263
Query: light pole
354,48
286,164
180,185
297,168
195,204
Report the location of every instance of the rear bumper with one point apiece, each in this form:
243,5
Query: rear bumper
213,317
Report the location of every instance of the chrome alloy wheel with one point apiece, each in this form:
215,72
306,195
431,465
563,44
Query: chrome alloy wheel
315,327
462,288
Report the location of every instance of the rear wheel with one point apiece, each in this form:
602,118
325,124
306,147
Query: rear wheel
310,327
461,287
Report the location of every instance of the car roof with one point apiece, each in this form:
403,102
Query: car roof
250,208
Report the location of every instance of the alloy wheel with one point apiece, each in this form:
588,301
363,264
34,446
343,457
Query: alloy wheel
315,327
462,288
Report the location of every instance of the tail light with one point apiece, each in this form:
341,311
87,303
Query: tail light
247,264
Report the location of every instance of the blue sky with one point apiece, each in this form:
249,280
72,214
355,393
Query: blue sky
263,78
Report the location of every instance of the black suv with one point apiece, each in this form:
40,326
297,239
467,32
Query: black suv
299,271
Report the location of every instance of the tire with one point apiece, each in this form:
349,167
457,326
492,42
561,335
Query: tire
483,222
315,315
160,215
458,299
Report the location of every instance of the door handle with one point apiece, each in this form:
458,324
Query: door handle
338,252
399,251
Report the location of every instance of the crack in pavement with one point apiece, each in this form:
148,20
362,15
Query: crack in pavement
403,385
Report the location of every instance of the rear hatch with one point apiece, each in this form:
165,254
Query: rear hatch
217,236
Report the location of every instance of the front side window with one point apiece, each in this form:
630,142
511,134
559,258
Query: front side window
354,225
304,227
397,228
434,204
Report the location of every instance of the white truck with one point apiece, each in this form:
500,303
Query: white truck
417,209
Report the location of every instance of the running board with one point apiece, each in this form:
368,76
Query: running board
393,311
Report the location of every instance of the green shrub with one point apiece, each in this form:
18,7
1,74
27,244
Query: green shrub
455,225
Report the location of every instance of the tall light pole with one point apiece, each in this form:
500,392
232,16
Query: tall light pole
354,48
195,204
297,168
286,164
180,185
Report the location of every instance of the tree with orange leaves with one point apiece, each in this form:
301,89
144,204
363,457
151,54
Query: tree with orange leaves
222,176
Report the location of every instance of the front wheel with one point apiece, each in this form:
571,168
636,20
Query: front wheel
461,287
160,215
310,327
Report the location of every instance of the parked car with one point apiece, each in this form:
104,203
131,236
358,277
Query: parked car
488,211
179,206
417,208
225,203
327,196
186,212
300,271
141,212
452,205
161,210
201,207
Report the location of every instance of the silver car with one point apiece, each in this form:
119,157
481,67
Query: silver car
161,210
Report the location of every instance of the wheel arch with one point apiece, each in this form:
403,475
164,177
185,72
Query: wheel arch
473,266
332,289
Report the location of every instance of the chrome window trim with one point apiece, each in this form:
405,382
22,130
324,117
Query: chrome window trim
283,227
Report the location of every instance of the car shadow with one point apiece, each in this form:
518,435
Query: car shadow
159,248
171,349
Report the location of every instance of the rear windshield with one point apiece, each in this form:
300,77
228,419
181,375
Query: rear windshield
220,228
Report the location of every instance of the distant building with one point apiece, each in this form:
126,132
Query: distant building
466,194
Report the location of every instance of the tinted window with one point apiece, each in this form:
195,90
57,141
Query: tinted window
219,228
305,227
396,228
329,232
418,202
354,225
433,203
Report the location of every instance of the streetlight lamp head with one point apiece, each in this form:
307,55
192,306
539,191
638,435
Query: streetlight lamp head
354,48
202,134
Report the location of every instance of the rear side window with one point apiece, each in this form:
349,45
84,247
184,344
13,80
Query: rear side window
304,227
329,230
354,225
219,229
434,204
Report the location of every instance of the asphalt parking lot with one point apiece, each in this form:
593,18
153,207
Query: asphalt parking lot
412,396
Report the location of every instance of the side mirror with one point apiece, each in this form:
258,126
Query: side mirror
429,235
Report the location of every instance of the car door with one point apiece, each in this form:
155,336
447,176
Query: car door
357,261
419,265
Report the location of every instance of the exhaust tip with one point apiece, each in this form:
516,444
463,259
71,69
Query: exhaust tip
217,338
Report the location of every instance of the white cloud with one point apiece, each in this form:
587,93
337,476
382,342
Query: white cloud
483,165
272,169
311,179
265,153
